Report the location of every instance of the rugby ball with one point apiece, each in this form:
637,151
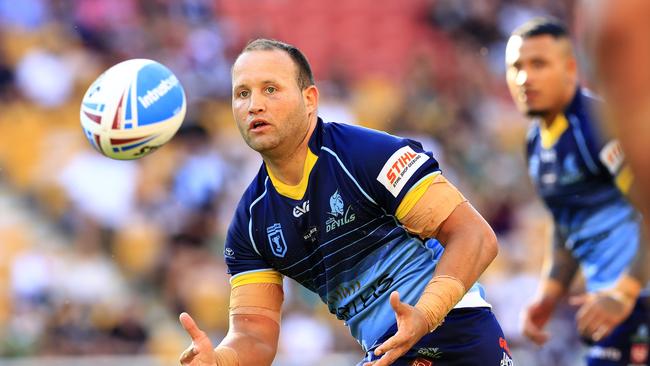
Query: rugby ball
132,109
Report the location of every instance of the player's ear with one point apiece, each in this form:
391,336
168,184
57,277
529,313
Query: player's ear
571,61
310,96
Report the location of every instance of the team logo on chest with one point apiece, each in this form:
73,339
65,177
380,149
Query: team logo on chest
340,215
571,172
276,240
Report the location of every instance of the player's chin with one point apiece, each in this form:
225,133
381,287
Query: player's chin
535,112
262,144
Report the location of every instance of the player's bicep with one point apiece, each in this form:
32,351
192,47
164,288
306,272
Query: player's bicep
428,204
263,299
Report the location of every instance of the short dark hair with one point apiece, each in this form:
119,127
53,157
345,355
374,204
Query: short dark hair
305,77
541,26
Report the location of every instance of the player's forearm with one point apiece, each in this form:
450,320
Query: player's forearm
241,350
249,346
470,246
562,269
468,251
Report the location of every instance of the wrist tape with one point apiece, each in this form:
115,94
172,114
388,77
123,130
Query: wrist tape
226,356
439,297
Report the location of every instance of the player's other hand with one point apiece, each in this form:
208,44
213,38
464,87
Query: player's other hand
600,313
200,352
411,326
534,318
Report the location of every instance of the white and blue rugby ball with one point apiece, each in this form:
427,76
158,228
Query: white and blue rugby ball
132,109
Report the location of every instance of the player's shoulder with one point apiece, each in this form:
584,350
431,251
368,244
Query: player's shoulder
256,190
351,140
586,106
587,109
364,136
590,98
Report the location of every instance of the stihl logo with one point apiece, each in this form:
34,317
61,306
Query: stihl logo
612,156
399,168
300,210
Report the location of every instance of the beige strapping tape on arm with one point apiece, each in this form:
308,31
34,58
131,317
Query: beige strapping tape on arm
439,297
226,356
257,299
434,207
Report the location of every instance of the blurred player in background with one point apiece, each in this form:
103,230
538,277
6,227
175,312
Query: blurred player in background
580,173
616,35
344,210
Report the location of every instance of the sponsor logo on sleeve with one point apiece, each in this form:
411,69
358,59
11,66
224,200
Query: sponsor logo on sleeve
612,156
399,168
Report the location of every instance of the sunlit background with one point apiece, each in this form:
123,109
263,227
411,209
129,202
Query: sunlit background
98,257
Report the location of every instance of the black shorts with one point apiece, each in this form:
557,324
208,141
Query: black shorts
468,336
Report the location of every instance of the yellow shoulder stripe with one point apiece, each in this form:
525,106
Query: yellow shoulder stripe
549,136
624,179
414,195
298,191
265,276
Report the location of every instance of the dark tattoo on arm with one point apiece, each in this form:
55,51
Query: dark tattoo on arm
563,265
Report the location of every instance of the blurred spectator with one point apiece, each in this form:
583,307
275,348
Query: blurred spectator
115,280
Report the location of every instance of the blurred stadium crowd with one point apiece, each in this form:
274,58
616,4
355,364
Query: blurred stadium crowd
100,256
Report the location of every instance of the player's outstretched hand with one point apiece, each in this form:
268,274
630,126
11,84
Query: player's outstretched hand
200,352
600,313
534,318
411,326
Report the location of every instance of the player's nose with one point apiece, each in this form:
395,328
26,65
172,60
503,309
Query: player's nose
256,103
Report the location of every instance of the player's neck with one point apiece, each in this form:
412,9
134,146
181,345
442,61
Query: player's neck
548,119
550,116
288,166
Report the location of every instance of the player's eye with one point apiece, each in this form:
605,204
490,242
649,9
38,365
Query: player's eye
270,89
244,93
538,63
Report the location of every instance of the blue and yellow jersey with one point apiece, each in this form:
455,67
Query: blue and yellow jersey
582,177
337,232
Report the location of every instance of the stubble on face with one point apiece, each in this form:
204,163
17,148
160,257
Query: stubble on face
283,111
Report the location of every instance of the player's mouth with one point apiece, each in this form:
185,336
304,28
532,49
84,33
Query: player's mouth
257,124
529,95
